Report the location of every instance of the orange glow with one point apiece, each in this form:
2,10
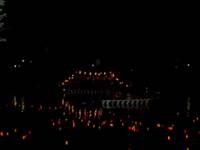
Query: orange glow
1,133
133,128
66,81
103,123
168,138
170,128
129,128
15,130
158,125
111,124
24,137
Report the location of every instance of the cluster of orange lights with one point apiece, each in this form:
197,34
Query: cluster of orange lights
24,136
93,75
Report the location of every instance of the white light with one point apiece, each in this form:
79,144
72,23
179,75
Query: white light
188,65
23,60
92,65
15,66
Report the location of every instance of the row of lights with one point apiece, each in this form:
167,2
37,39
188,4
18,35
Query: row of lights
110,76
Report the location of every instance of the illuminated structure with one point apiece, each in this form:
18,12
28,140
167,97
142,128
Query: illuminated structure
105,88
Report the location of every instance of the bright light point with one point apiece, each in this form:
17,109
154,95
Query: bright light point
15,130
158,125
197,118
187,148
170,128
15,66
188,65
24,137
23,60
168,138
93,65
126,85
1,133
186,136
7,133
66,142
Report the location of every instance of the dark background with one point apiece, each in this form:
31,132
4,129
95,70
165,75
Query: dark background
157,43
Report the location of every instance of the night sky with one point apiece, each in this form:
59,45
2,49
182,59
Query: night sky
157,44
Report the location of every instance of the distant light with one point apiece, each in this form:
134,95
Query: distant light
19,65
23,60
24,137
170,128
7,133
188,65
131,70
168,138
1,133
66,142
29,132
186,136
15,66
158,125
93,65
187,148
15,130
